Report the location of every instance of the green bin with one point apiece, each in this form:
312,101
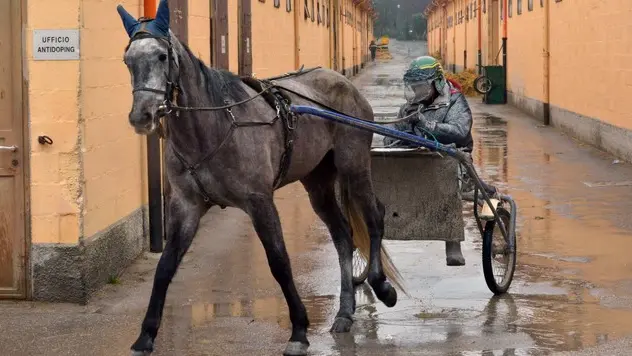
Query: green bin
498,94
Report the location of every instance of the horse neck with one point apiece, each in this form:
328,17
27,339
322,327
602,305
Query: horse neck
194,133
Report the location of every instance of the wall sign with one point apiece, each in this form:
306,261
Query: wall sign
56,45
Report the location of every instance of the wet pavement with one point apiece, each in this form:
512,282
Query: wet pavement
572,291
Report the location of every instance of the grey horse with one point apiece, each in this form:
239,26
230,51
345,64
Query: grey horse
229,144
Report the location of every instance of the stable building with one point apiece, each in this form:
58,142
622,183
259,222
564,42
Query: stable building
568,63
76,182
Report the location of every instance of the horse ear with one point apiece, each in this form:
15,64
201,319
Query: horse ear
129,22
162,16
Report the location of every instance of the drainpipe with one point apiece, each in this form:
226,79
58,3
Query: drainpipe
297,36
454,41
546,118
480,53
505,20
154,173
465,24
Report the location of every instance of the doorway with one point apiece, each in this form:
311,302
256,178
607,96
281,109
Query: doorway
13,243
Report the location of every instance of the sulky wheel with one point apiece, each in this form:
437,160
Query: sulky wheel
482,85
499,261
360,268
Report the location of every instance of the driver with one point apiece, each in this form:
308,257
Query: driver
437,110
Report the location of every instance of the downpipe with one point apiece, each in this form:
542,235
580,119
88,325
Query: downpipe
154,174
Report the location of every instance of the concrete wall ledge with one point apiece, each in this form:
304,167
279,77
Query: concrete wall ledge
609,138
72,273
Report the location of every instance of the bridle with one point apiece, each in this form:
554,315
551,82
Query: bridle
171,89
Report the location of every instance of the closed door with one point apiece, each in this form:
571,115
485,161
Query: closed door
12,230
245,34
219,20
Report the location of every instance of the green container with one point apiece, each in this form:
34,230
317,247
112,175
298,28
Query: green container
498,94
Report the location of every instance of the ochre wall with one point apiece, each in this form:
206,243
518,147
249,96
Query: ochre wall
526,72
594,57
313,36
92,175
272,38
54,111
200,29
112,151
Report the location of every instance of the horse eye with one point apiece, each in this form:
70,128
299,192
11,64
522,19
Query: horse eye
162,57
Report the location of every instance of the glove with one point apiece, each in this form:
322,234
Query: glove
425,123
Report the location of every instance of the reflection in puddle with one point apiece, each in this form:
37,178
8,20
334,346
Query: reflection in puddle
271,309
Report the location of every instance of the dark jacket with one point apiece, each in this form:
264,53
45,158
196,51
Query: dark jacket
451,112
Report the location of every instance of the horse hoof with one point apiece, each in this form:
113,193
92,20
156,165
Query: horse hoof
141,353
143,346
341,325
295,348
388,295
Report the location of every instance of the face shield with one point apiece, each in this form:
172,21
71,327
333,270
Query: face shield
419,90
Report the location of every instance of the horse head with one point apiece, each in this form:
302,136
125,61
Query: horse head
153,67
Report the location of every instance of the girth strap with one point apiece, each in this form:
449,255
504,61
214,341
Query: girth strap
280,102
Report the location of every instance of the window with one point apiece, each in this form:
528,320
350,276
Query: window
328,19
318,12
530,5
306,11
288,6
519,7
277,3
541,3
312,12
509,8
484,6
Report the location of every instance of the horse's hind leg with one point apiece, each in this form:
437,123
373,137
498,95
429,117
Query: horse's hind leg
182,222
265,218
368,210
320,187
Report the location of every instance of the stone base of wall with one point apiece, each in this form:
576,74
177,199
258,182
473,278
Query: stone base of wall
614,140
527,105
73,273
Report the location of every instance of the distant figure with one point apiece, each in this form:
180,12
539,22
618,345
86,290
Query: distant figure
373,49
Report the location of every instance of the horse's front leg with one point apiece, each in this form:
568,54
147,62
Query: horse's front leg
265,219
183,218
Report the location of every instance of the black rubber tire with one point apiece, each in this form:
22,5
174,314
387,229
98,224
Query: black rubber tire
479,82
488,271
359,279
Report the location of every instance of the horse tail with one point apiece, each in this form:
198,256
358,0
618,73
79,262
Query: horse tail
362,240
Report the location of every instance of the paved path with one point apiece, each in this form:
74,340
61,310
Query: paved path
572,289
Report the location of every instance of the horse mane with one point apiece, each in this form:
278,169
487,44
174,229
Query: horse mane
221,84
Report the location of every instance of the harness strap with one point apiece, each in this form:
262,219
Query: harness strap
192,168
277,100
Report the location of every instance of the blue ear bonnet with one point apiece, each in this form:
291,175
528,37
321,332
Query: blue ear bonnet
157,27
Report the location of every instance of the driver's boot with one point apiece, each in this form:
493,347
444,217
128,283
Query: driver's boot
453,254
